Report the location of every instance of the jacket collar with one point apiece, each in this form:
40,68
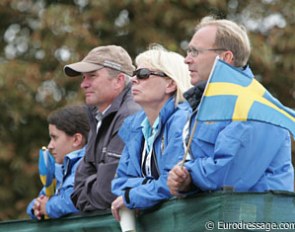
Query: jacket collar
167,110
70,159
194,94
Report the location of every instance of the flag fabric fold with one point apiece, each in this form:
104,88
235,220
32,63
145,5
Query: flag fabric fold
46,171
232,95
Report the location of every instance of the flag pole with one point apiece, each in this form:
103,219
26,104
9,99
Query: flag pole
189,144
195,124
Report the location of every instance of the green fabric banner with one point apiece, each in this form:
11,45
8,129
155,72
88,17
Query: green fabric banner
219,211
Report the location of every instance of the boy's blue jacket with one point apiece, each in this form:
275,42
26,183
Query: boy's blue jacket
60,203
129,182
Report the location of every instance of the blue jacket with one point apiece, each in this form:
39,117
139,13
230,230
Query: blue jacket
249,156
60,203
129,182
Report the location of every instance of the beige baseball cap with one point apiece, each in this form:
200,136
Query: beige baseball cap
110,56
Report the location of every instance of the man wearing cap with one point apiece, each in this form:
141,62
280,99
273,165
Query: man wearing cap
106,72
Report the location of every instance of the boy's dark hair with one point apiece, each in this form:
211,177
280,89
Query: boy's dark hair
71,120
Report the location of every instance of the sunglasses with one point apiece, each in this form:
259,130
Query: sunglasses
144,73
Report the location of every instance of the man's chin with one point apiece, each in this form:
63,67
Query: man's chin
194,81
89,102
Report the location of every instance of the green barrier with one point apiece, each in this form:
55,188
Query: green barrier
219,211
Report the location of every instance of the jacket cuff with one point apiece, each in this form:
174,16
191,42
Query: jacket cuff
145,180
126,195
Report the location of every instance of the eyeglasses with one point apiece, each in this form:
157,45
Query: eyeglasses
195,52
144,73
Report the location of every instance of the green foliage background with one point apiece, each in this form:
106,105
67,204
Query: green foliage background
38,37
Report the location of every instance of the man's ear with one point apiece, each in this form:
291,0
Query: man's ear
228,57
171,86
120,80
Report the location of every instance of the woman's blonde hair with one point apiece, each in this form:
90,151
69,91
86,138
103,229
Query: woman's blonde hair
171,63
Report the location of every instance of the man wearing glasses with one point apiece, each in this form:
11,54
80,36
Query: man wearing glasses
243,156
106,72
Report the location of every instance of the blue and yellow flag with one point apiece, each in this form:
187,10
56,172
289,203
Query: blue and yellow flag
232,95
46,171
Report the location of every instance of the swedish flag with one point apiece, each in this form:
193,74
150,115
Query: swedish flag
46,171
232,95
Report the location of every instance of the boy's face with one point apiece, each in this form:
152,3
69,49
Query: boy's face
60,143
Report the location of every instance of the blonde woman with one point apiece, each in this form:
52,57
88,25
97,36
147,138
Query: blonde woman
153,137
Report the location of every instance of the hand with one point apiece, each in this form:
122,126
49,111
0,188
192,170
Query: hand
43,201
39,207
36,209
179,180
117,204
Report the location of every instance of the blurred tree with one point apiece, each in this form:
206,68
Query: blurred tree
38,37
